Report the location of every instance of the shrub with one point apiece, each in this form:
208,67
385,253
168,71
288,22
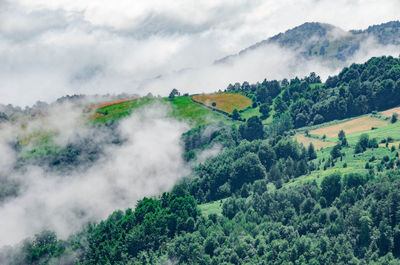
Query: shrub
335,152
386,158
394,117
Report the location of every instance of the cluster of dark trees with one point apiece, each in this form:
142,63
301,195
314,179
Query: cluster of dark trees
337,219
253,129
122,237
358,89
347,219
278,160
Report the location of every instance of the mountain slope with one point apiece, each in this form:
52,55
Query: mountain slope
327,41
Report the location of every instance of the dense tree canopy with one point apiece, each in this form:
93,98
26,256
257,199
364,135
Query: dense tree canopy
261,211
356,90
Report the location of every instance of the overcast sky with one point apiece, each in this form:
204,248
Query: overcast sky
50,48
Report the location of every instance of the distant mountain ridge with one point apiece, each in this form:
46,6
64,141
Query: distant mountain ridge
313,39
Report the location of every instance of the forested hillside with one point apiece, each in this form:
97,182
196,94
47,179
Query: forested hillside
264,198
358,89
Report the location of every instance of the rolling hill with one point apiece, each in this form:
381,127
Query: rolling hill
308,175
313,39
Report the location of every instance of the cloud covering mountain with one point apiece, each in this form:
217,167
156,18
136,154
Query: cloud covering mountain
52,48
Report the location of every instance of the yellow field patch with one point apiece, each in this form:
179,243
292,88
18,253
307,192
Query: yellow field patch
389,112
357,125
224,101
318,144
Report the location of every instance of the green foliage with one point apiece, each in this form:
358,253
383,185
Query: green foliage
342,138
347,219
280,106
358,89
267,216
364,142
335,152
395,117
331,187
226,173
311,152
235,115
183,108
280,125
264,110
365,231
43,247
113,113
252,130
125,235
173,94
246,169
266,155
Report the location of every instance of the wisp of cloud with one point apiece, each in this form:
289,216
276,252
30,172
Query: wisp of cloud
149,162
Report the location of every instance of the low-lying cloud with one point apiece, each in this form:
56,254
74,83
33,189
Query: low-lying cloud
52,48
149,162
269,61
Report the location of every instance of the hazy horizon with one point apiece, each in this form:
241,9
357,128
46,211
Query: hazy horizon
49,49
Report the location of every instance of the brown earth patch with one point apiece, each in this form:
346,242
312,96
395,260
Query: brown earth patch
389,112
318,144
356,125
106,104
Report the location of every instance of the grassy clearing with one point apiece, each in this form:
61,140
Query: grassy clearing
39,143
117,111
214,207
392,130
250,113
361,124
318,144
355,163
183,108
354,128
224,101
38,147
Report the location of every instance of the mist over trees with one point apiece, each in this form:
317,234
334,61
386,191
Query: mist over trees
265,216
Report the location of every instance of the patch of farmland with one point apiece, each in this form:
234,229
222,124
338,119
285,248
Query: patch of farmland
226,102
361,124
318,144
